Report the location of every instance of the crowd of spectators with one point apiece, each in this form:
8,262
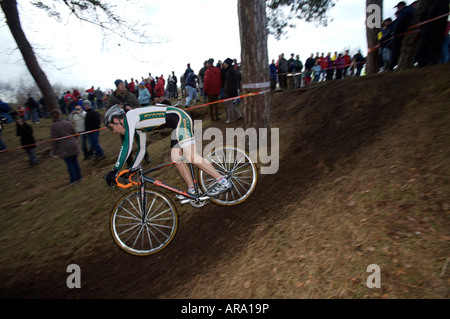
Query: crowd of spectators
293,73
433,45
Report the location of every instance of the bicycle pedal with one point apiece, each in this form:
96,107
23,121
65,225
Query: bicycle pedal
184,201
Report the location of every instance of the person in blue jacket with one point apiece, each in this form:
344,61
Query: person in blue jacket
4,111
143,95
405,15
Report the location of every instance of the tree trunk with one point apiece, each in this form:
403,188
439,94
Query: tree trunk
255,62
9,8
373,57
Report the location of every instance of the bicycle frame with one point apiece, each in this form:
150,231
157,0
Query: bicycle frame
146,179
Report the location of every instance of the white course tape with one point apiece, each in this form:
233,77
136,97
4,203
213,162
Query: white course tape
256,85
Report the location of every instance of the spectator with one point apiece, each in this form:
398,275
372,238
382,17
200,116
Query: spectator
298,67
347,62
405,14
143,95
309,62
323,66
339,64
33,106
91,96
291,70
173,90
316,70
136,85
79,103
67,147
334,57
4,111
212,85
191,87
151,90
359,62
273,75
188,70
77,118
92,124
329,67
283,68
121,96
132,87
76,94
99,99
386,41
3,121
151,86
429,49
230,81
291,60
183,86
160,95
70,101
62,103
201,80
27,140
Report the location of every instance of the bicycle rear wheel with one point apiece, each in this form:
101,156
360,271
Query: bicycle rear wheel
143,233
238,167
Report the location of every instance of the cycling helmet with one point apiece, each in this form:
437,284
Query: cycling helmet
113,112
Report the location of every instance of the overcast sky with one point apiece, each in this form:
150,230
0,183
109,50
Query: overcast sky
77,55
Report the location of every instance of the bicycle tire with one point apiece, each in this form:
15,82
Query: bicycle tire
138,237
236,165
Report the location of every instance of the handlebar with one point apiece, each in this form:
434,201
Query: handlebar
129,179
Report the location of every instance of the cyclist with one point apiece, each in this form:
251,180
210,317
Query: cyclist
136,122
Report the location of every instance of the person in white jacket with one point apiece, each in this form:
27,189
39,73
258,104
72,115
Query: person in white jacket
77,118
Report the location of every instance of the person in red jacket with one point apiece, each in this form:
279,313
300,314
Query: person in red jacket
323,66
347,63
211,86
159,90
131,86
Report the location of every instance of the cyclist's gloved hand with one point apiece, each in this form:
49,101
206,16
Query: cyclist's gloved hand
111,177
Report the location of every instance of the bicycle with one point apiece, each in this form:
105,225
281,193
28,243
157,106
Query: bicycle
145,221
180,102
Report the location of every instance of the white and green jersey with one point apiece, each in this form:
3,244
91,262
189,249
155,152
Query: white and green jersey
139,121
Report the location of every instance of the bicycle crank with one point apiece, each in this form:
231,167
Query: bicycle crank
202,201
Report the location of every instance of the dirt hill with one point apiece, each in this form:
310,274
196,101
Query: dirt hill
363,180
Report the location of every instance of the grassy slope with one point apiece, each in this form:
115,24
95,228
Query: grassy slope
363,180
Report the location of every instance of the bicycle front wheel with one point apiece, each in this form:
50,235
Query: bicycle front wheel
143,232
237,166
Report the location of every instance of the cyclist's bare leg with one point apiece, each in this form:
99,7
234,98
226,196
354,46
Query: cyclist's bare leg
192,156
190,152
182,167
